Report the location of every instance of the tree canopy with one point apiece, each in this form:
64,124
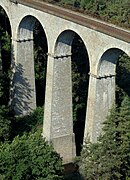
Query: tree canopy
29,157
109,158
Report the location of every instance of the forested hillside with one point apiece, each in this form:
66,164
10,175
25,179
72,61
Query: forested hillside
21,146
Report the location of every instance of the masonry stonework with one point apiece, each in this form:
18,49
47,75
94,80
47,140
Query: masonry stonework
103,51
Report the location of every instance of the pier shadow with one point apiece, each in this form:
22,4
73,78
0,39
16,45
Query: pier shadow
21,91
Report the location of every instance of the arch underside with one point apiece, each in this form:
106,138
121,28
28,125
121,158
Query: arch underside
62,105
105,89
24,100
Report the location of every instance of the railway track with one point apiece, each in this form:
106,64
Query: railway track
79,18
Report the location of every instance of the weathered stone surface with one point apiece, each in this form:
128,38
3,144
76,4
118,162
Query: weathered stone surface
65,146
102,51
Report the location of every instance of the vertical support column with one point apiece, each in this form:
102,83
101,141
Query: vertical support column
101,93
23,95
58,122
101,97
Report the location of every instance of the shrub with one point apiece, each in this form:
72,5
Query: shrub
109,158
29,157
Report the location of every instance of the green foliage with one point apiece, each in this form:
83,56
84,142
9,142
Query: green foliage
80,81
5,40
80,69
117,12
4,88
29,157
86,4
67,2
5,53
109,158
11,126
40,62
122,78
6,118
114,11
73,176
30,122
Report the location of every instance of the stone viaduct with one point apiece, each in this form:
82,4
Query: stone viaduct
103,48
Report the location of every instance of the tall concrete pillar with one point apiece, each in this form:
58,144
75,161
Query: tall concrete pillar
23,97
101,94
58,122
101,97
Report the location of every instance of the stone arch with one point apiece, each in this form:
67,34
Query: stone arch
25,30
8,15
107,70
61,107
108,60
70,43
24,95
105,89
106,79
64,42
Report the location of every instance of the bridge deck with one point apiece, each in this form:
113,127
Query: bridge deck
79,18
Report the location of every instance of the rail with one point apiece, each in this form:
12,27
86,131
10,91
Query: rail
78,18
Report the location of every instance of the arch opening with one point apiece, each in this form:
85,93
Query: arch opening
122,78
80,82
5,57
40,62
108,62
115,63
111,84
30,74
71,46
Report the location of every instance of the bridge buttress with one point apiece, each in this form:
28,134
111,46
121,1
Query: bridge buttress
101,97
58,122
